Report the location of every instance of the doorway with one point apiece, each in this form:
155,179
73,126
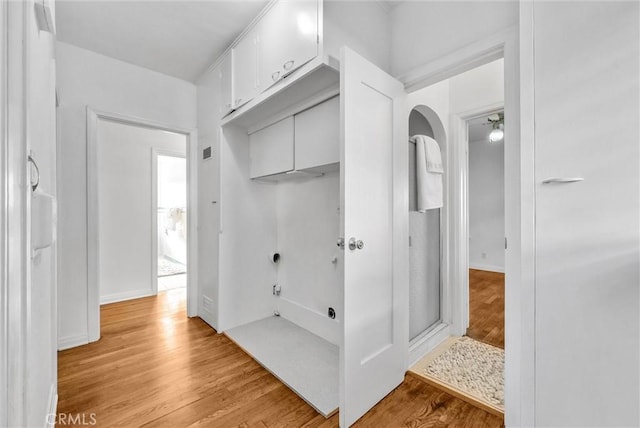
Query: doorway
122,221
486,228
169,210
456,103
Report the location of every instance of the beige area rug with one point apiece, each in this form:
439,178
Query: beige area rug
473,369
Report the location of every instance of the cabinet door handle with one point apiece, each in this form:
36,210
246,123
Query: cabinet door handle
275,75
288,65
34,183
560,180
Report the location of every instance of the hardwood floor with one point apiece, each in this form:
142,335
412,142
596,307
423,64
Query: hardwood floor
486,307
154,367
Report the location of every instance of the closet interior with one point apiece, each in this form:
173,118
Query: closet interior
289,267
311,189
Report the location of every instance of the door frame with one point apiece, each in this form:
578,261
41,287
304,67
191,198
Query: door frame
154,212
515,45
93,290
459,303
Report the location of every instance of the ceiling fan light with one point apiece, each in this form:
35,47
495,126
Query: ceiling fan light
496,135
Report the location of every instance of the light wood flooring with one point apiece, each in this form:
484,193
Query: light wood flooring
154,367
486,307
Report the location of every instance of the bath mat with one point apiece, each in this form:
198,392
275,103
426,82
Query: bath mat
168,267
471,367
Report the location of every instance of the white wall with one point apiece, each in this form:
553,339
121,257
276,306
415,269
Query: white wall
486,205
208,93
423,31
308,226
248,234
125,207
364,26
102,83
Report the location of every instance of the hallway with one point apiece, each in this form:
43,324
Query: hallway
155,367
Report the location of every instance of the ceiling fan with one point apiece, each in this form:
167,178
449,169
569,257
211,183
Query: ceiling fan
496,120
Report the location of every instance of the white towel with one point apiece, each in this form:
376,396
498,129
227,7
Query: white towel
429,172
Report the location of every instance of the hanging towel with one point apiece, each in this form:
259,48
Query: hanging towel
429,172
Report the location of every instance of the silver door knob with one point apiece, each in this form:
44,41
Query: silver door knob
353,244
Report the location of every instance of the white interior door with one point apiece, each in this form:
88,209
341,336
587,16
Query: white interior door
587,232
374,210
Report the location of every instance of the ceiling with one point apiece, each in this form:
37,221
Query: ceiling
479,129
180,38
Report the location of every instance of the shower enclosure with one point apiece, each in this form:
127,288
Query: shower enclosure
425,279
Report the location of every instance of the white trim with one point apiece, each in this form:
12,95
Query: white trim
72,341
52,409
520,227
126,295
4,304
464,59
519,196
155,152
486,268
93,299
15,209
423,344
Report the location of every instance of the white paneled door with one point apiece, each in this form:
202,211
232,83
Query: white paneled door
587,232
374,224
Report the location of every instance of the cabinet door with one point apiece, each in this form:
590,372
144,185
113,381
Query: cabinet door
271,149
226,85
317,135
374,208
288,37
587,233
244,70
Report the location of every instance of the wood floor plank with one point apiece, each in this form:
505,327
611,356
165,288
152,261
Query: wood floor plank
155,367
486,307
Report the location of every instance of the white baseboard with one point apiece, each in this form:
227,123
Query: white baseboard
488,268
126,295
50,421
72,341
208,317
317,323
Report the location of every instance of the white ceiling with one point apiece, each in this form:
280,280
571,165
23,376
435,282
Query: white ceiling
479,129
181,38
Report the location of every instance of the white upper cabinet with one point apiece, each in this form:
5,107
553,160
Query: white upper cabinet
284,39
271,149
317,136
244,70
288,39
226,88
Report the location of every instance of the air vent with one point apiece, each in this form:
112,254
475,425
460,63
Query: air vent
206,153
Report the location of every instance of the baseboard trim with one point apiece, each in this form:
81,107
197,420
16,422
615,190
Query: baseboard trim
208,317
309,319
50,421
72,341
488,268
126,295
